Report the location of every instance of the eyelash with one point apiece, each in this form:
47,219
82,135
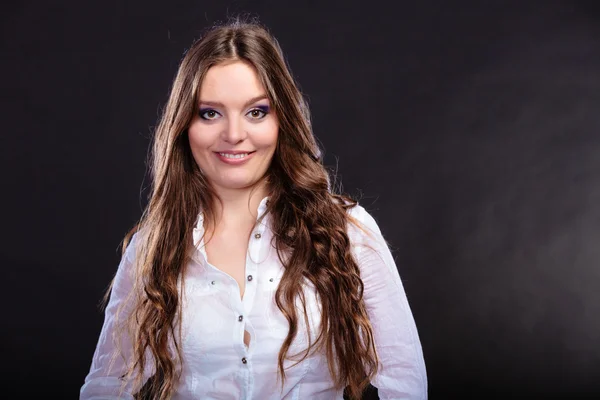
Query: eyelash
264,110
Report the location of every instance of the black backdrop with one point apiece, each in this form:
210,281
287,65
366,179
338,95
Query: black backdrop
470,128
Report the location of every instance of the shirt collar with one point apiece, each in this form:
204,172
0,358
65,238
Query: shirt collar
198,231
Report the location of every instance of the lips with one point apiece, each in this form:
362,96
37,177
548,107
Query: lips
237,154
234,157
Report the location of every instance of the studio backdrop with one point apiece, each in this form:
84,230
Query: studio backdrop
469,130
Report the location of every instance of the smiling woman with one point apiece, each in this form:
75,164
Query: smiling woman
234,135
247,277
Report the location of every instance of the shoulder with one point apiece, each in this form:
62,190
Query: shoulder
364,231
131,253
133,243
359,219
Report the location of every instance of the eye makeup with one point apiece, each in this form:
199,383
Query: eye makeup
264,108
205,111
258,113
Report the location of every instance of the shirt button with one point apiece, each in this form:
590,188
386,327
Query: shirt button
241,318
244,360
212,283
249,277
258,236
271,280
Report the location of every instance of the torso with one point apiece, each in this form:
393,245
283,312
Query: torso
227,250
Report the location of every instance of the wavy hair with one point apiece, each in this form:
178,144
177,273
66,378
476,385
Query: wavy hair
309,223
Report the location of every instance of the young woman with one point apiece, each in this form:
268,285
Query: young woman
246,277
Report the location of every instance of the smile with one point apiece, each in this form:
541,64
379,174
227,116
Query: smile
234,158
240,155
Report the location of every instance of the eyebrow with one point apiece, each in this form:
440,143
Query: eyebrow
218,104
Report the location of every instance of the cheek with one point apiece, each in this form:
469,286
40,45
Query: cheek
199,147
199,139
267,136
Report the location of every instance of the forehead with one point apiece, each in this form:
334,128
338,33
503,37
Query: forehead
231,82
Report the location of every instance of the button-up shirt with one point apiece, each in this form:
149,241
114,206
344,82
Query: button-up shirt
217,364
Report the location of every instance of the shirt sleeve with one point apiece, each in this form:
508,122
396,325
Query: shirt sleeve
402,373
111,356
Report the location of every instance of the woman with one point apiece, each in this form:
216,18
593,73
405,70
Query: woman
247,278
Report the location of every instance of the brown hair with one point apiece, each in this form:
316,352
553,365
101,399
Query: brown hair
309,223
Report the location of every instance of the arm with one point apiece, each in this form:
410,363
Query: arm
108,364
403,374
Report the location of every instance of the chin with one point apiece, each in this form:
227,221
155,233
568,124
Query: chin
236,183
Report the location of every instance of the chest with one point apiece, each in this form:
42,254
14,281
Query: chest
228,251
221,327
226,338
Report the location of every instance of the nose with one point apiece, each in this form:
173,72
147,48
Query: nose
234,131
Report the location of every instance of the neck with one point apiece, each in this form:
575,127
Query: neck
238,206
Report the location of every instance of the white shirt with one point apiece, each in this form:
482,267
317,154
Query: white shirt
218,365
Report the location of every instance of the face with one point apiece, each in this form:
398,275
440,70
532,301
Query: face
234,132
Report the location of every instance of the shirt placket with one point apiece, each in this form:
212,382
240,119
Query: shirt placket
241,307
244,306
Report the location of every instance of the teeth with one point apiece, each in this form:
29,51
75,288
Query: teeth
227,155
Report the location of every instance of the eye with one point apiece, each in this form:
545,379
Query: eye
258,113
208,114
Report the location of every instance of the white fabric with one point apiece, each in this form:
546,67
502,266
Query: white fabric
213,337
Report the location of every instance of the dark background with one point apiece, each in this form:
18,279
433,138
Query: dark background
469,127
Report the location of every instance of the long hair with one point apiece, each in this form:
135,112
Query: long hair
309,222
